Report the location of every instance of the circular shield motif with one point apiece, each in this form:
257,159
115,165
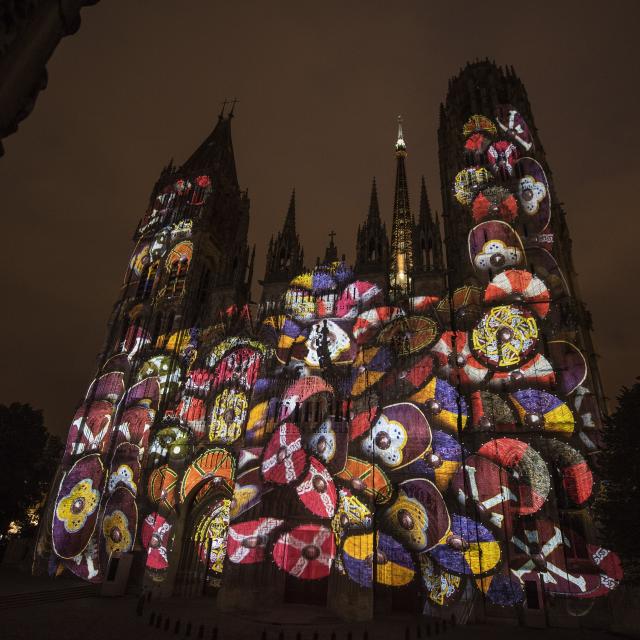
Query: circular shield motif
418,517
410,335
317,491
306,552
228,416
469,182
394,564
76,510
505,337
470,548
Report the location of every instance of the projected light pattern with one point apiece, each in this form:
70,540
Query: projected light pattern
433,445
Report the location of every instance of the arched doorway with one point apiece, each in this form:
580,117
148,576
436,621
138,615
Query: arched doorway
204,543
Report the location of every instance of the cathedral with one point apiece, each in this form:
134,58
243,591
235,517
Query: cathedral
415,431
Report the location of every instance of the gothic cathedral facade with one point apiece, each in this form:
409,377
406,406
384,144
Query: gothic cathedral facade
417,431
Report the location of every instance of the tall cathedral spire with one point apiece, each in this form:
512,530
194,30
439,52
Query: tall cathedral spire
402,232
372,244
285,255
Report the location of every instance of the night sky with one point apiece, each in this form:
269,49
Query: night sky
320,86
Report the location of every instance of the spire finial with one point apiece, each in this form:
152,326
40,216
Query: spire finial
401,147
224,106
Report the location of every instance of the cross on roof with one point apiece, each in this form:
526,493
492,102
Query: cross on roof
332,235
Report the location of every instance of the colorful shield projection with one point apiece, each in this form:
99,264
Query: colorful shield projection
76,510
470,548
442,587
168,439
247,492
542,551
494,202
145,393
502,589
155,537
537,372
511,123
521,286
228,416
371,363
328,335
356,297
541,410
299,392
284,459
215,465
166,369
489,488
469,182
502,156
109,386
352,515
369,323
444,406
505,337
400,435
87,564
163,487
476,146
526,466
125,468
306,552
577,479
241,366
533,194
119,523
455,360
570,364
418,517
492,412
394,564
440,463
317,492
90,429
409,335
134,425
140,258
329,443
247,541
479,124
210,538
494,246
546,268
366,478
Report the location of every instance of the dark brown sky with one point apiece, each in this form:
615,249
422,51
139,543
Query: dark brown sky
320,85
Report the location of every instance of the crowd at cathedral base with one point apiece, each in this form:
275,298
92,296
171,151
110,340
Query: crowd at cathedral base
416,432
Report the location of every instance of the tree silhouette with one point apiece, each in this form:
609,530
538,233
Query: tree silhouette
28,459
618,505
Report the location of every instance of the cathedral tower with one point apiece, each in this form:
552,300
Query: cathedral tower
428,268
487,108
372,245
401,267
285,257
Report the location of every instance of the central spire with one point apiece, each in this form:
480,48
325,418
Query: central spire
402,231
401,147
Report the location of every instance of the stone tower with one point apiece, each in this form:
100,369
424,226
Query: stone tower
428,264
484,89
285,257
372,245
